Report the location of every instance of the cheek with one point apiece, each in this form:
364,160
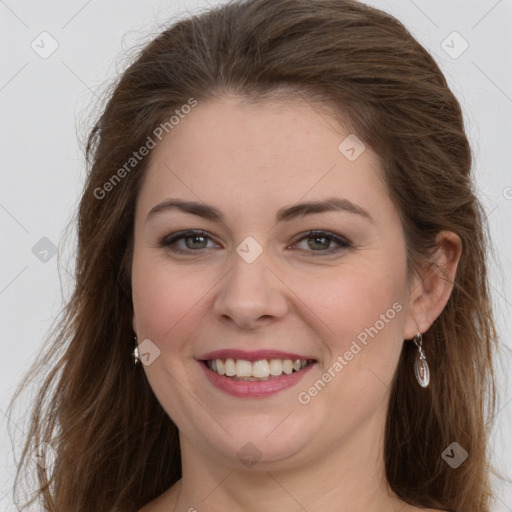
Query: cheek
363,307
166,299
356,299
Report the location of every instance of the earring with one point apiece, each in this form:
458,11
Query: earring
135,353
420,364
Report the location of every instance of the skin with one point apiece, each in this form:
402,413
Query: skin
249,162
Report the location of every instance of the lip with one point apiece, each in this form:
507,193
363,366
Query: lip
253,389
251,356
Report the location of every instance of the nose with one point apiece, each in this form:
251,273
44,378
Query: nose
251,295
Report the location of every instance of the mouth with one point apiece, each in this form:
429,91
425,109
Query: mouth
256,371
254,374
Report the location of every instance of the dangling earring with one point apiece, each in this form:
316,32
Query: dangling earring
135,353
420,364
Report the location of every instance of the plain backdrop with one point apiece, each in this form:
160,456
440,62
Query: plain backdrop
56,59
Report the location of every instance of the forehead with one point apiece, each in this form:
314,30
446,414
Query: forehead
229,151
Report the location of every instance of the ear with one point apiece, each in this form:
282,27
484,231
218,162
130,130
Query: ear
134,323
433,284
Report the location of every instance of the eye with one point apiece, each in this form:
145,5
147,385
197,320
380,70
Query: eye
193,240
320,242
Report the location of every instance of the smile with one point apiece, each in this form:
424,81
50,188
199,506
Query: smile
256,374
260,370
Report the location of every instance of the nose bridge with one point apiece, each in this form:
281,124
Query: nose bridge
250,290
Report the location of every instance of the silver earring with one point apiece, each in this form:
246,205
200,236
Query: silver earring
420,364
135,353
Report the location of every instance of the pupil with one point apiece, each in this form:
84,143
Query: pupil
325,244
195,238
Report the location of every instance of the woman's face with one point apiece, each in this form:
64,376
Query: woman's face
256,288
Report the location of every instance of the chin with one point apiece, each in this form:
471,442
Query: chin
267,442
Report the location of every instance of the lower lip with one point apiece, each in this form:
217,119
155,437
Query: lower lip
255,388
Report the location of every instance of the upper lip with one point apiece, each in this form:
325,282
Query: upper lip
255,355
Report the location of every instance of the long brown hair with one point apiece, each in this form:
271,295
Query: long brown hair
115,446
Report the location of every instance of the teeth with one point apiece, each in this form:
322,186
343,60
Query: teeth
241,369
260,369
287,366
230,367
276,367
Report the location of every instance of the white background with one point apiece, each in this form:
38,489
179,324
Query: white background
45,107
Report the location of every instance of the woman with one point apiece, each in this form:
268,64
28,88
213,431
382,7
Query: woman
281,298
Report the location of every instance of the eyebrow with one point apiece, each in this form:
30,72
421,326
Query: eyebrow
287,213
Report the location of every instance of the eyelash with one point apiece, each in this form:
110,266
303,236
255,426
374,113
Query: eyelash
169,240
